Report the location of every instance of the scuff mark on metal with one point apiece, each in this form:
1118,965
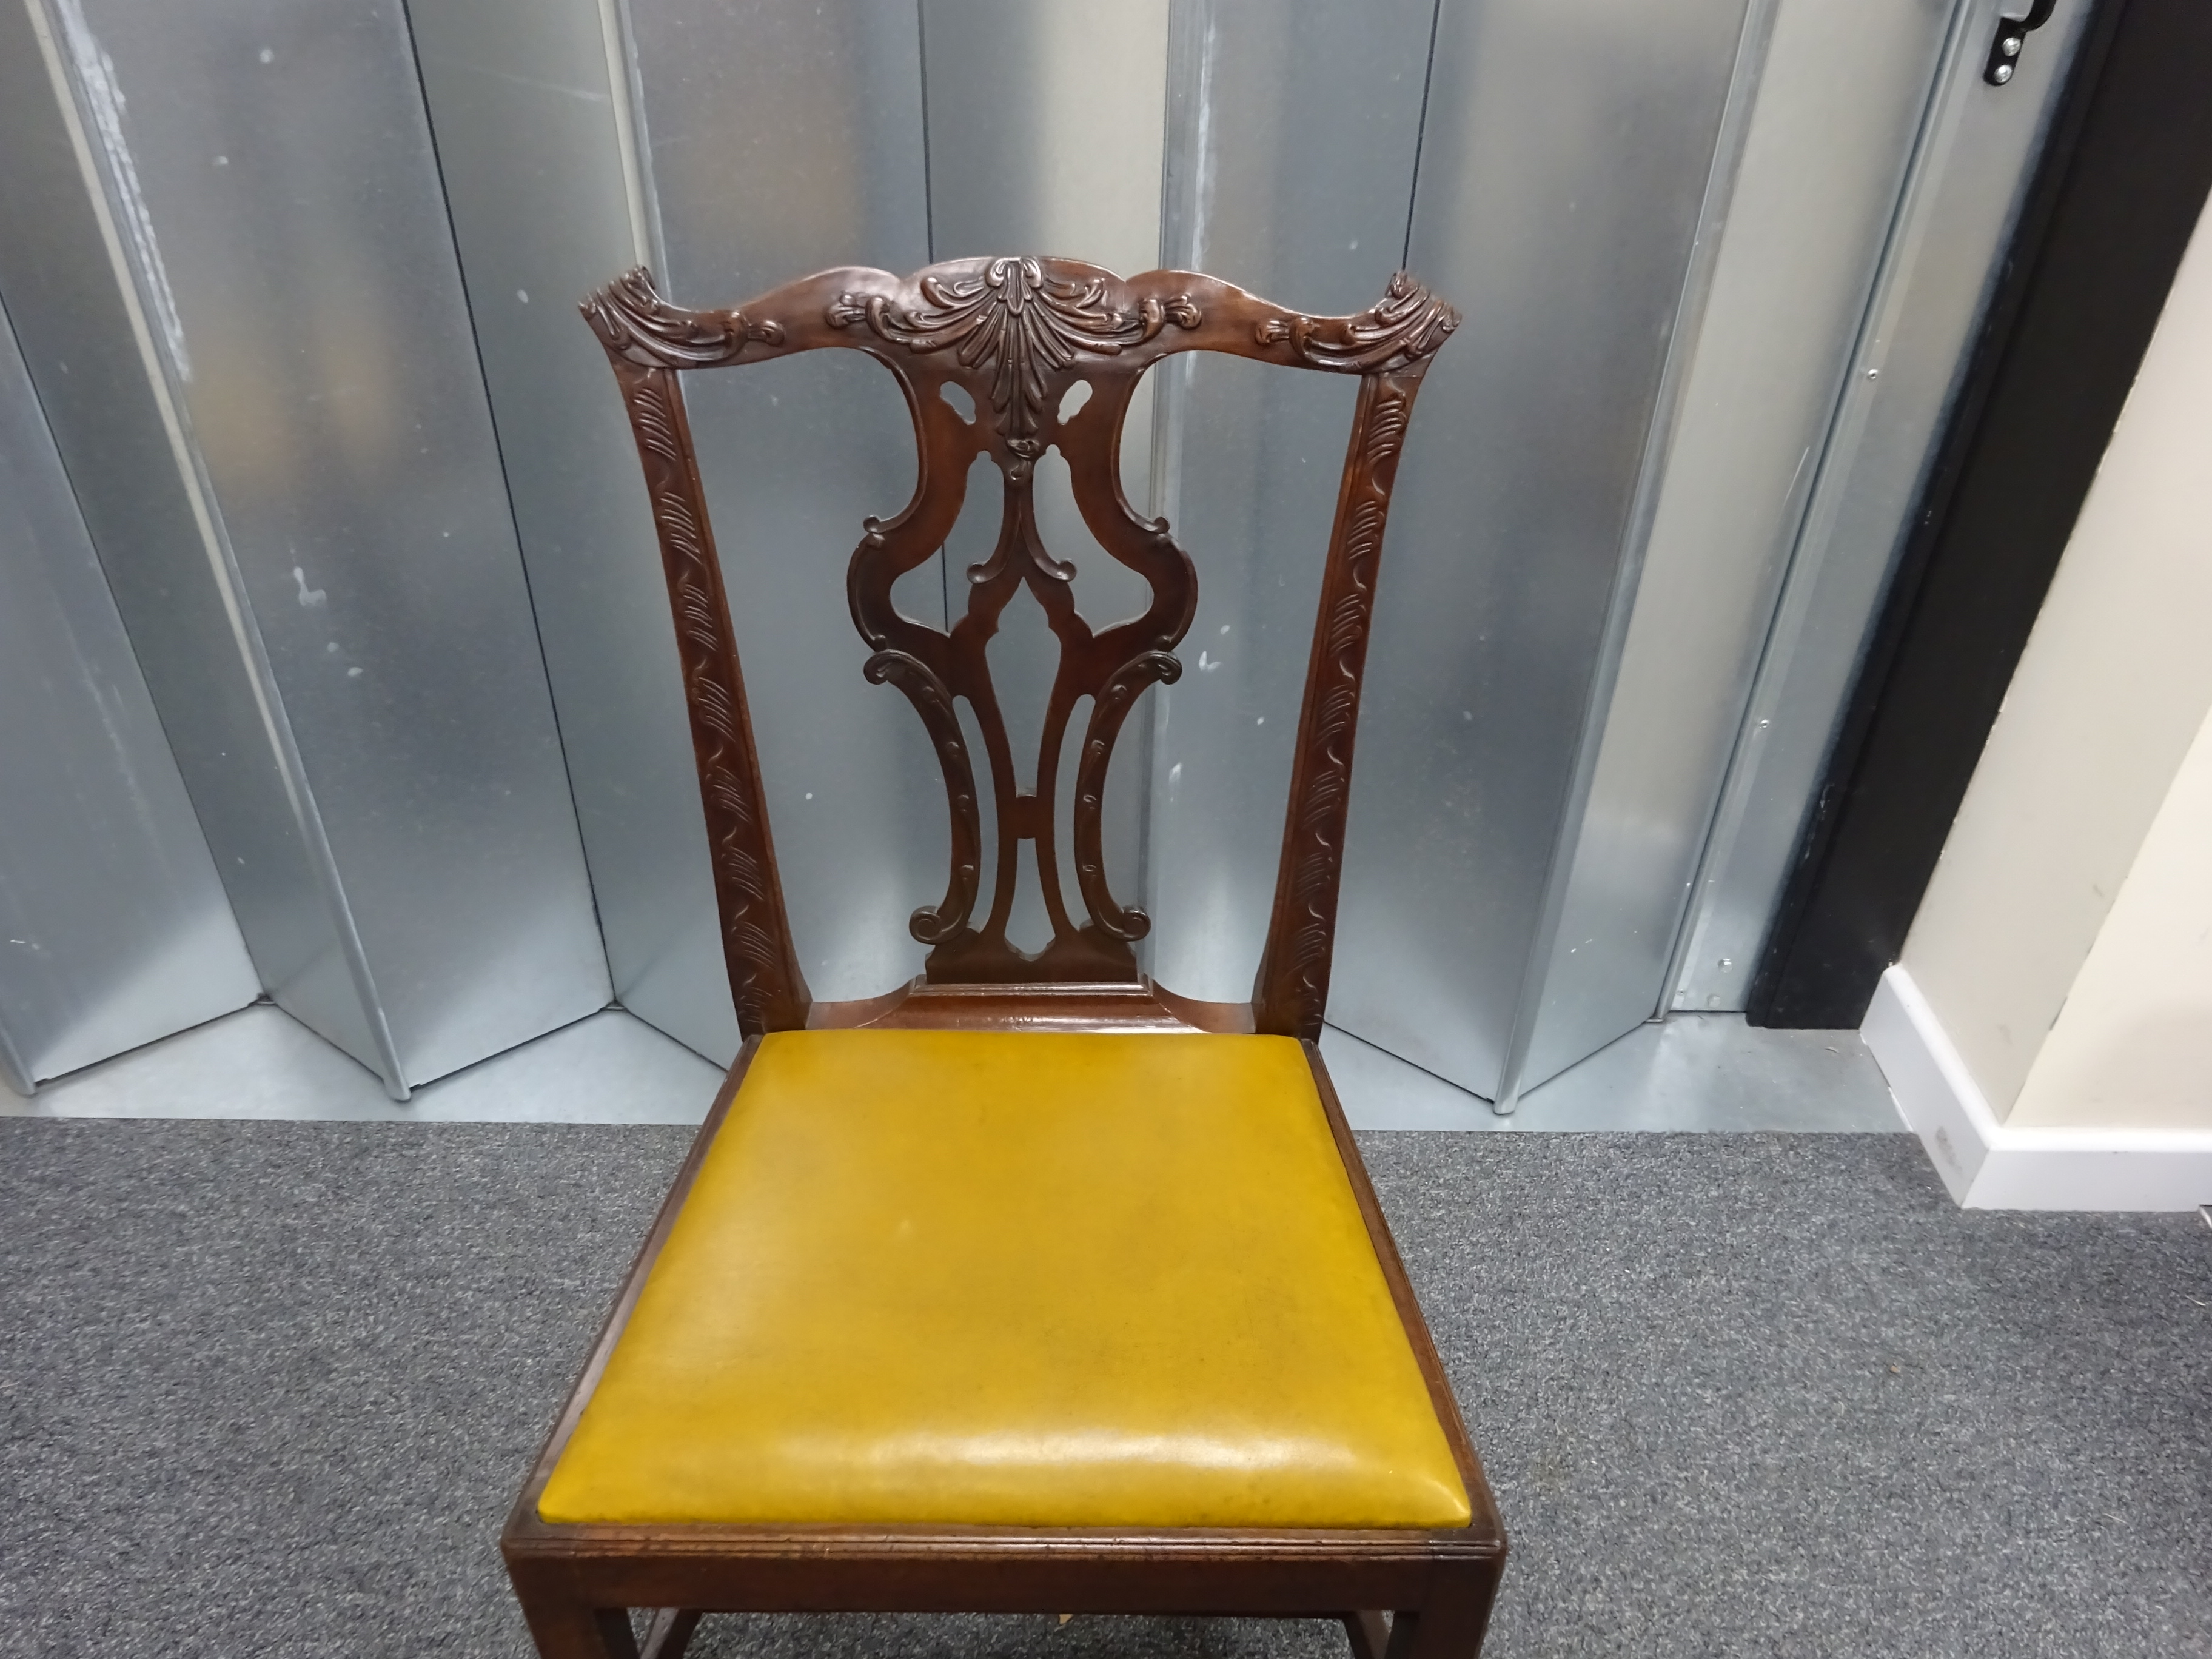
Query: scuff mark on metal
103,97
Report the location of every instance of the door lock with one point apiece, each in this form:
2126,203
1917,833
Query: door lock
2011,36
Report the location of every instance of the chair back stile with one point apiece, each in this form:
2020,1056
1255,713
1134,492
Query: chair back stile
1015,334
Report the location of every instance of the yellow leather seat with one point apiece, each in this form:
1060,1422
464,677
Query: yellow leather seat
1041,1279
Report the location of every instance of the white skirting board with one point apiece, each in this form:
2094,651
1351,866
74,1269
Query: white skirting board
1988,1166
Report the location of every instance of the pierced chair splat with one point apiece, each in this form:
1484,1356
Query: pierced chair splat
1029,1285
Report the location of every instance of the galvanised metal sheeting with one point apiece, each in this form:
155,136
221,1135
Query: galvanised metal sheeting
1566,155
1293,142
272,167
1975,151
527,101
781,140
1840,97
113,928
92,356
1045,129
400,848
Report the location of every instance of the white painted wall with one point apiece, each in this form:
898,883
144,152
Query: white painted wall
2078,876
2133,1044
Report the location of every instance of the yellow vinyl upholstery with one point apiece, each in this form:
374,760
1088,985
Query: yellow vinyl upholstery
1041,1279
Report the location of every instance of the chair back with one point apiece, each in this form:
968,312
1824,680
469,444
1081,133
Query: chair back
1016,335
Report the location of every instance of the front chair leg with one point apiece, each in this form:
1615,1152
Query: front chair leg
669,1633
1370,1632
1450,1625
566,1630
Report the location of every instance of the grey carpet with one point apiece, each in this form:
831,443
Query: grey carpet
267,1389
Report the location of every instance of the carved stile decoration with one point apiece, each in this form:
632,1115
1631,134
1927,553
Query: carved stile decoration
1016,334
647,341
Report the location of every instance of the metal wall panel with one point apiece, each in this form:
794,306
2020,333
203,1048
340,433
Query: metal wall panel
113,927
272,185
783,140
1045,130
1562,170
274,170
1293,135
529,106
1976,152
1839,103
90,348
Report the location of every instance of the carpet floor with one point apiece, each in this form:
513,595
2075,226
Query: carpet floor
266,1388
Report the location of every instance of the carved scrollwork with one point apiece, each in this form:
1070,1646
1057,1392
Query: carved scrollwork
934,925
1409,324
632,321
1017,333
1107,710
1018,323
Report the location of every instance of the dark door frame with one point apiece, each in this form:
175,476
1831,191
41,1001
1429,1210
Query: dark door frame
2108,213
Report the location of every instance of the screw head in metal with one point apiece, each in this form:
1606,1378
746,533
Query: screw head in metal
2002,74
2010,46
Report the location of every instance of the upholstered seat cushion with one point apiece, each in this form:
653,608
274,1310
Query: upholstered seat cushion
1037,1280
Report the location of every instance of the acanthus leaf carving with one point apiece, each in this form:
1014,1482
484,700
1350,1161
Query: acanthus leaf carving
1019,323
1410,323
633,321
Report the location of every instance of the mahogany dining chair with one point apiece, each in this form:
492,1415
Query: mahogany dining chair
1030,1285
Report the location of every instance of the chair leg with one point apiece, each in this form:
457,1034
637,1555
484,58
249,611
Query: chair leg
1370,1632
566,1630
1451,1624
669,1633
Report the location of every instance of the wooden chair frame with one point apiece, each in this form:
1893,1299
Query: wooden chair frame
1016,334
